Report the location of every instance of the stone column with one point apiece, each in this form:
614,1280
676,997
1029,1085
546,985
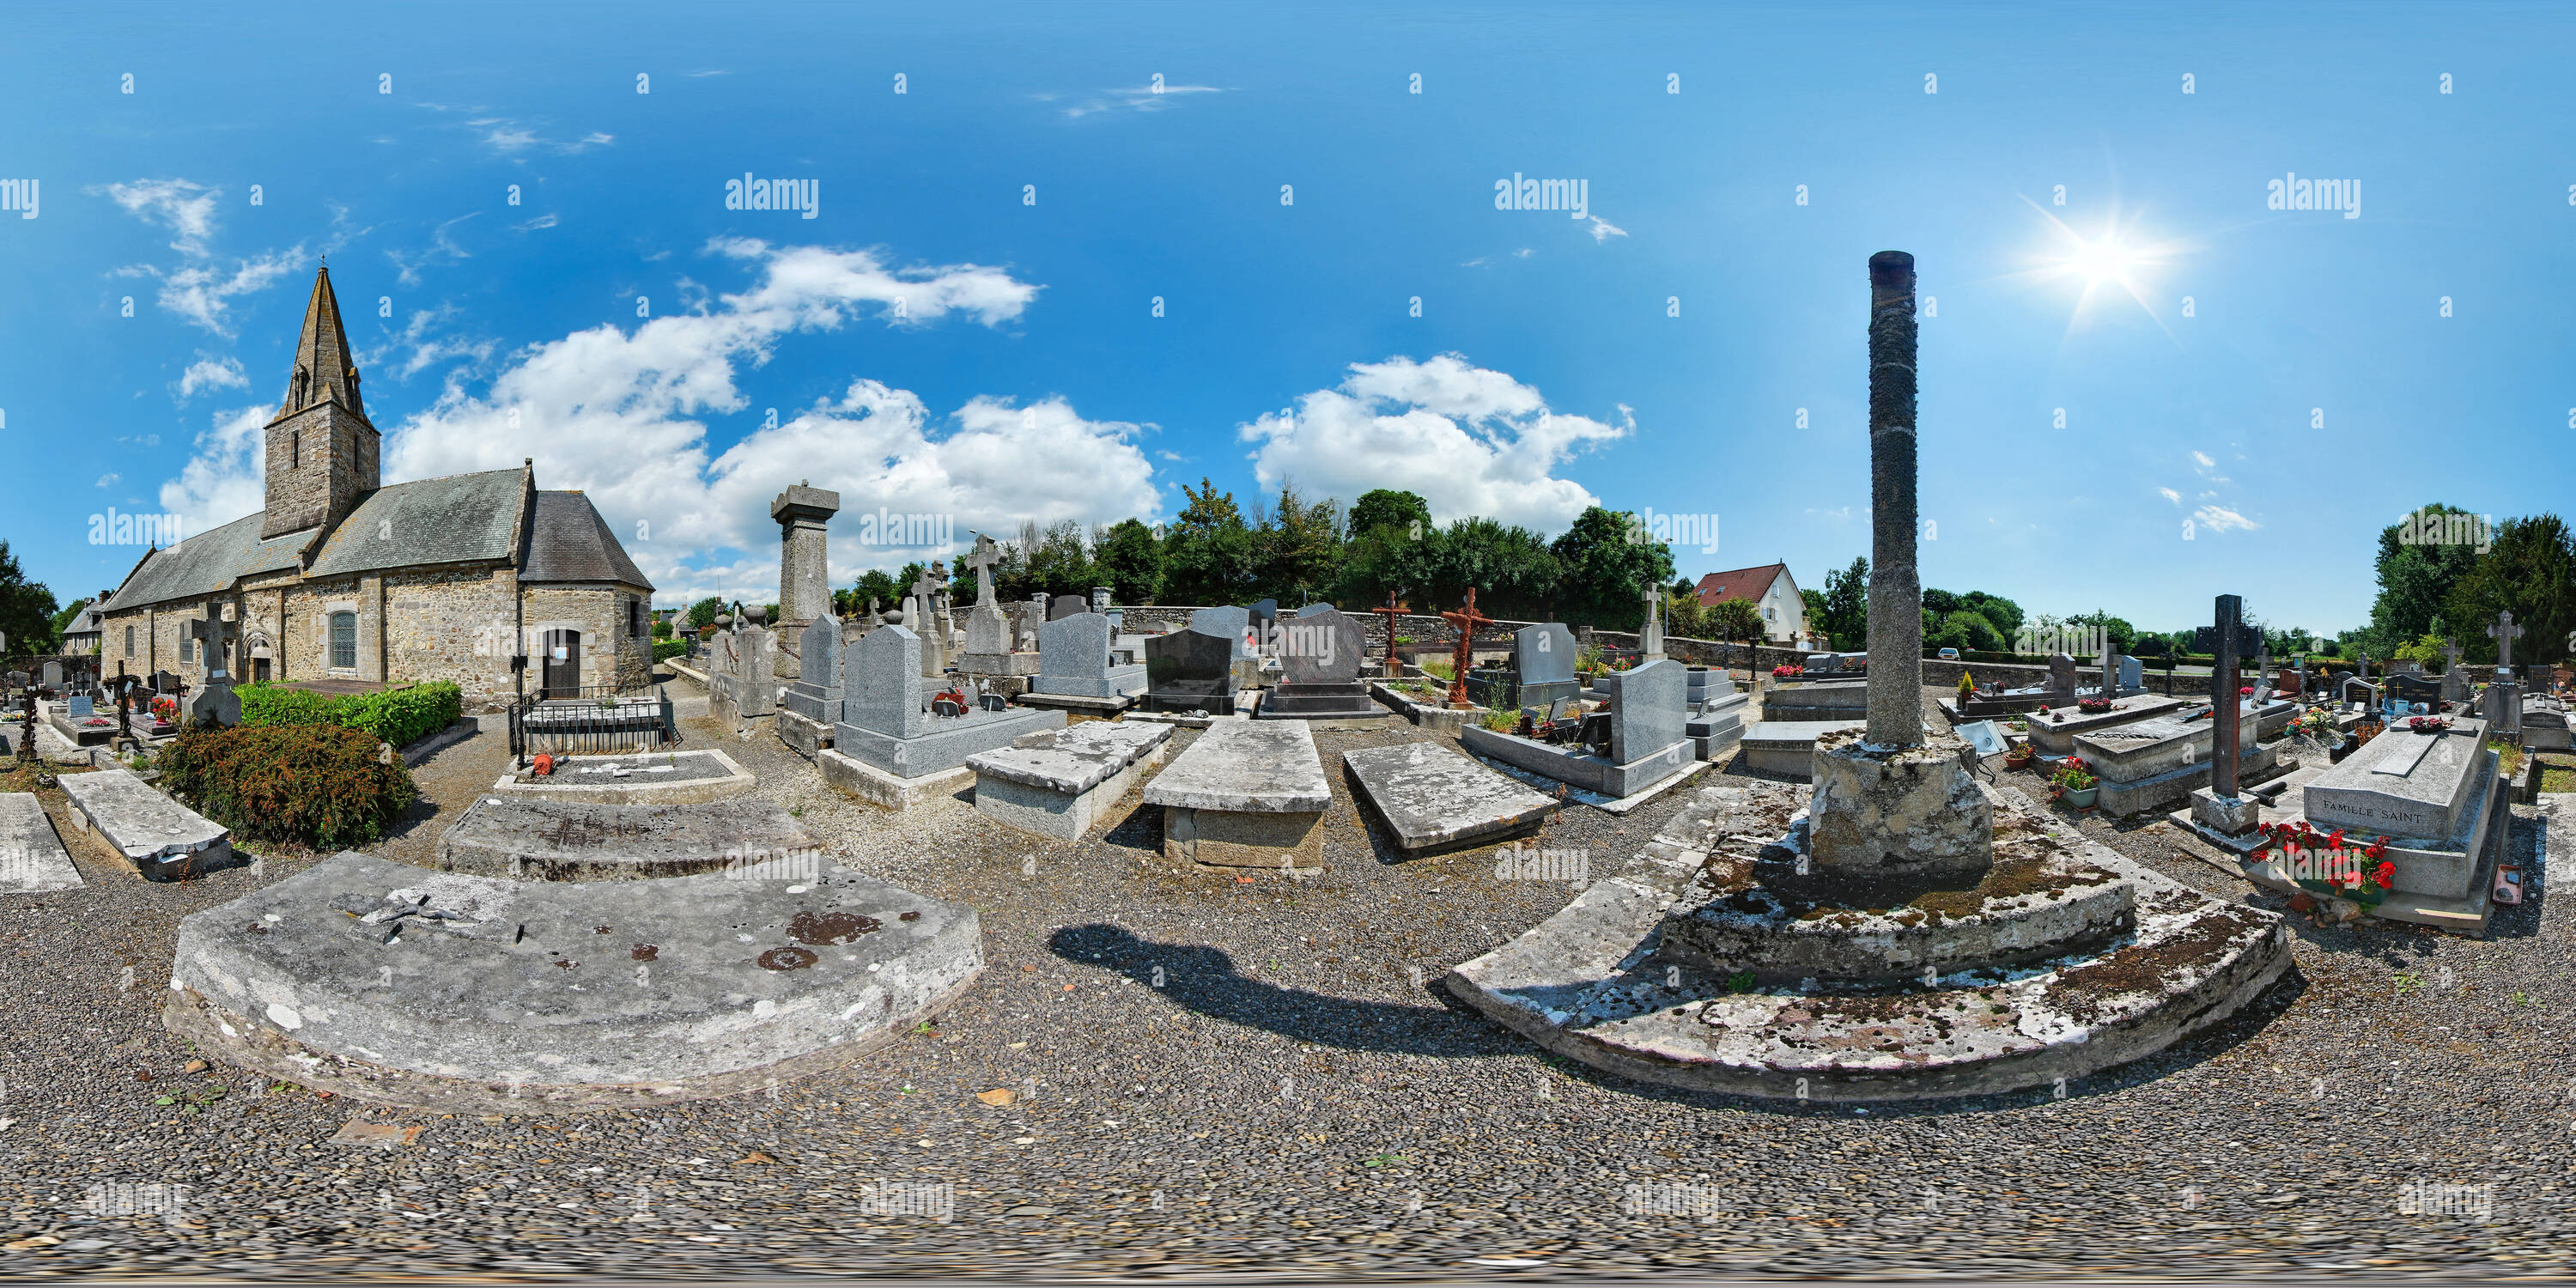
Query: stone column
1895,590
804,573
2224,711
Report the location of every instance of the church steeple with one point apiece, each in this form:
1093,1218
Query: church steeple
322,456
324,369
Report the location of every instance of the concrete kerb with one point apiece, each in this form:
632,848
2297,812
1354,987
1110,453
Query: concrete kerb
420,749
877,787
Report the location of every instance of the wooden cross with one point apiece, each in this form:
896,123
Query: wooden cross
2504,632
1392,611
1466,619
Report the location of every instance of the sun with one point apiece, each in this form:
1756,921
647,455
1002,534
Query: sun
2102,263
2105,259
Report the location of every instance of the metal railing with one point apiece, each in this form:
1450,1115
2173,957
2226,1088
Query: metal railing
593,720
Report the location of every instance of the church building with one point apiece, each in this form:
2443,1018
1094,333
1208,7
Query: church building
343,578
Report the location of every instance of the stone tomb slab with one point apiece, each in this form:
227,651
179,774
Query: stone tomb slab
1788,747
164,839
32,860
2054,737
477,994
1246,794
2405,785
1061,784
651,778
1435,798
1567,763
535,840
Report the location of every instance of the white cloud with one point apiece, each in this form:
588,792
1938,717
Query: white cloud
1523,253
442,249
2218,518
2171,495
2202,459
1142,98
622,415
1468,440
509,137
110,480
197,289
1839,514
222,481
212,373
541,221
423,343
1604,230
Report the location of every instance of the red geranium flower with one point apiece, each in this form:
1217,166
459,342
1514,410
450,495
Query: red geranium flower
2385,875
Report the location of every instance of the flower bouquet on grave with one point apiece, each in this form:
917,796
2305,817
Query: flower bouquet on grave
2093,706
2074,783
1787,672
2428,724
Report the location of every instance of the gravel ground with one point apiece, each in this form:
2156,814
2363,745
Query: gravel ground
1219,1074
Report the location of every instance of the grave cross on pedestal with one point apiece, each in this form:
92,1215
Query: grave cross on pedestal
214,641
925,590
986,555
2504,632
1466,619
1392,611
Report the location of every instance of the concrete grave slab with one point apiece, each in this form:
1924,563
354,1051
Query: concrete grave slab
1246,794
476,994
1435,798
1060,787
650,778
162,838
1788,747
32,860
539,840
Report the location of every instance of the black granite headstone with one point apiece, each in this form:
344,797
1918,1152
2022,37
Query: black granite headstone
1189,670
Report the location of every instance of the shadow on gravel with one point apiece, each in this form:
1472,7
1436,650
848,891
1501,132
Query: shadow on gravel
1204,980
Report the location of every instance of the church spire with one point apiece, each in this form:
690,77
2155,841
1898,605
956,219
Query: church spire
324,368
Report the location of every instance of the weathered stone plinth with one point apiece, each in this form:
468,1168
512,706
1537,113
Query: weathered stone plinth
1901,816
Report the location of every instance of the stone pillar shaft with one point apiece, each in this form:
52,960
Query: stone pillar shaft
1895,588
2223,711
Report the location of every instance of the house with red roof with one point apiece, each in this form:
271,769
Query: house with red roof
1773,592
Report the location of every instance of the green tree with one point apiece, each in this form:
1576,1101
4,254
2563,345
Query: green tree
873,586
2531,570
1963,629
1389,557
1845,615
702,614
1606,564
2117,628
2005,614
1130,562
1059,563
1735,619
1208,552
1297,550
26,609
1514,571
1389,508
2415,582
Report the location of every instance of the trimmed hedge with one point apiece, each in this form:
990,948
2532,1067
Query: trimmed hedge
665,650
398,716
315,785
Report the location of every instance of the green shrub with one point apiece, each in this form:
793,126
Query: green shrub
665,650
399,716
317,785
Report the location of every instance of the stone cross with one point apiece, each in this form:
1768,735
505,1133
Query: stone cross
986,555
1390,613
2504,632
1650,637
2224,713
2263,669
2450,656
925,605
214,641
1895,589
1466,619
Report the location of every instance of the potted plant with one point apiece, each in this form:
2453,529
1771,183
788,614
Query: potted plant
2018,756
2075,784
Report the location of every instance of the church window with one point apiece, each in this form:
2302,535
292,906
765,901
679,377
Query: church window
129,641
294,448
344,641
635,617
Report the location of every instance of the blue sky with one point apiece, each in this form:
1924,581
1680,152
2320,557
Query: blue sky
1028,376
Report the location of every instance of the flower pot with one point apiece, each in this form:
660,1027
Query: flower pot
2019,759
2082,798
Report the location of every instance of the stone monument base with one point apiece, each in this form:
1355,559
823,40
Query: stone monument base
1904,815
803,736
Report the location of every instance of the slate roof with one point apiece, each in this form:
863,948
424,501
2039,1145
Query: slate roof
1741,583
207,563
568,541
463,518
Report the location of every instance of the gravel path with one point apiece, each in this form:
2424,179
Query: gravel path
1214,1073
